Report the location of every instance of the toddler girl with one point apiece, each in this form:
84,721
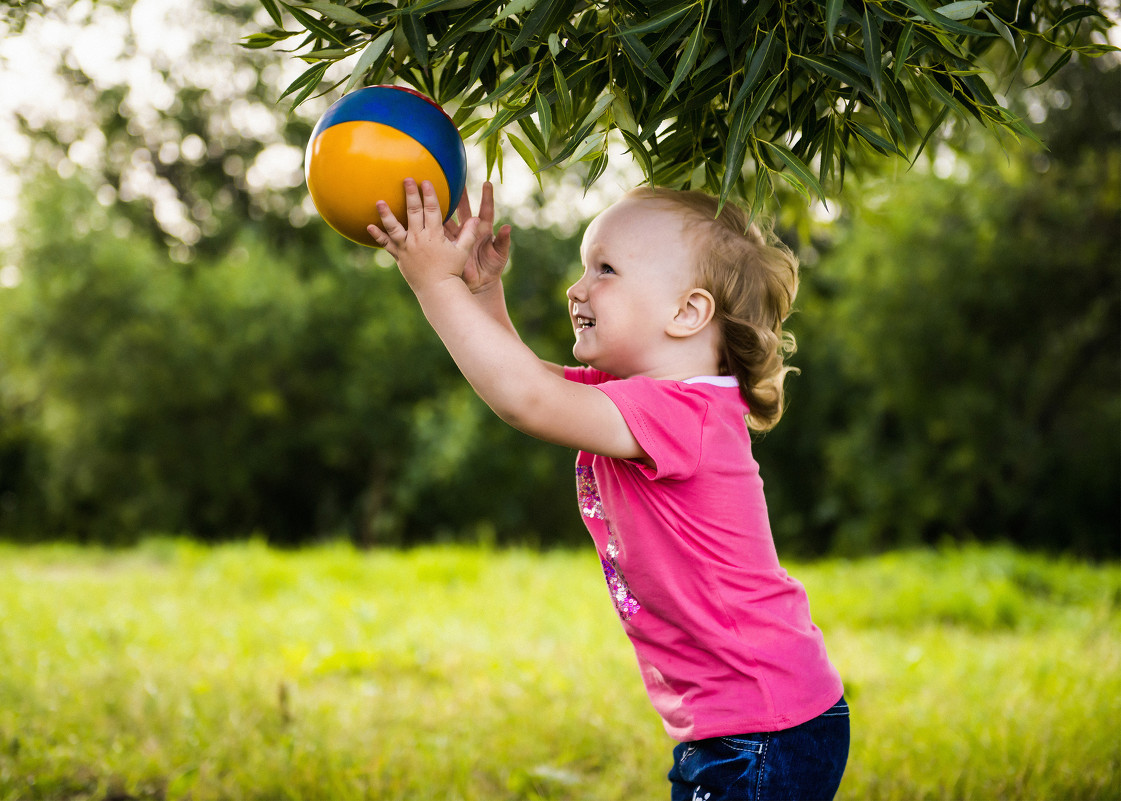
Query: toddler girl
678,316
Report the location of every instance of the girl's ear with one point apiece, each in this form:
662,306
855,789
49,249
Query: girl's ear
695,312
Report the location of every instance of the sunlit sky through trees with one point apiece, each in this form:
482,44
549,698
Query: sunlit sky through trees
138,49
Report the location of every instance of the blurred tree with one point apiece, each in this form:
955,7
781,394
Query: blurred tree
169,122
239,397
696,88
962,355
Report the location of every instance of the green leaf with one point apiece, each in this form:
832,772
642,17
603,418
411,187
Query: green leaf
831,65
274,12
760,57
758,13
484,54
738,134
338,13
327,54
261,39
761,101
934,126
735,153
494,154
639,151
623,113
1074,14
583,130
370,54
564,97
1060,62
311,76
688,58
763,190
877,142
531,132
642,57
476,20
499,121
714,57
598,167
1095,49
468,128
601,104
832,14
311,85
729,24
829,137
655,23
904,49
797,167
935,90
314,26
515,7
872,54
544,119
925,12
417,36
962,9
427,6
587,145
900,101
506,86
525,152
1002,29
535,22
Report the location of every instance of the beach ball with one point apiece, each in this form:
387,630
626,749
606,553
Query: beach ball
364,147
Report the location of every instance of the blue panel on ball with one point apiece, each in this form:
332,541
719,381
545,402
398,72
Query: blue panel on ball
411,114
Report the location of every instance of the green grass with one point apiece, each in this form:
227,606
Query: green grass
239,672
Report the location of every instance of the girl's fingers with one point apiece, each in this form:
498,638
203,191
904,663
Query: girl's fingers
463,210
414,207
486,204
502,242
389,224
468,235
433,217
382,238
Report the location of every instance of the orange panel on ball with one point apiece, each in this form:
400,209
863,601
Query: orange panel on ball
353,165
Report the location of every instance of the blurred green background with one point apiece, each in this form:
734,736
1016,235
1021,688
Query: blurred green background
186,349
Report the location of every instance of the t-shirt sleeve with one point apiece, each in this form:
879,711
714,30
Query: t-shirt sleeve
666,421
587,375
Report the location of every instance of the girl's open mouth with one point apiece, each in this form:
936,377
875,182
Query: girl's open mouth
585,322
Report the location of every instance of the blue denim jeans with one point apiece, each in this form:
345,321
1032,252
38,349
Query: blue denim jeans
804,763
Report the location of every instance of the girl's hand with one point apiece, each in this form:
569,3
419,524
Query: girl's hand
424,252
489,256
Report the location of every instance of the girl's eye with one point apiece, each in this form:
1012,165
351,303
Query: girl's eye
607,268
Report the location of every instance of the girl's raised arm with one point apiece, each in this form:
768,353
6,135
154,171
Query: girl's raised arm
526,392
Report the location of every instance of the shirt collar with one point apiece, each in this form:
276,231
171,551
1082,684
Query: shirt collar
715,380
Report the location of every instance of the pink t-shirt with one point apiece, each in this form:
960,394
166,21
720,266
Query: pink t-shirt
723,635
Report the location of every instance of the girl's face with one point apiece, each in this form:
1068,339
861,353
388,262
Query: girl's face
638,265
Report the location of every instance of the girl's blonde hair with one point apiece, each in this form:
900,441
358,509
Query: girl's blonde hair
754,280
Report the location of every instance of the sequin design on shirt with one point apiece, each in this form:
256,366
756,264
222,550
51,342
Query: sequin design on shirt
587,492
625,603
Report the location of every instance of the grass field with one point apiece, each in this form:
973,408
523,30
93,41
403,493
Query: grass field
239,672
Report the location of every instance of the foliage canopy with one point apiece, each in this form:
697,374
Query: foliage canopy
703,92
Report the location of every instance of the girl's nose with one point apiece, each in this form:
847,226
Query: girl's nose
576,292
